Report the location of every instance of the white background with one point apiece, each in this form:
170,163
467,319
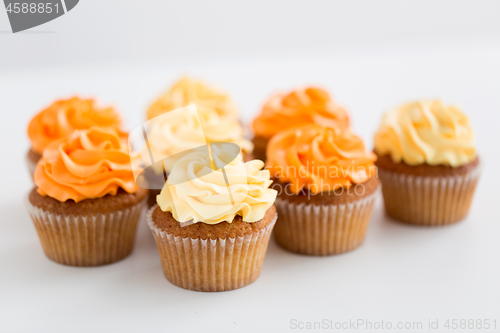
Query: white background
371,54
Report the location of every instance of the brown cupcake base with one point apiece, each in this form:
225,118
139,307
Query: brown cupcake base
385,163
220,257
428,195
152,197
32,159
260,147
337,197
97,232
247,157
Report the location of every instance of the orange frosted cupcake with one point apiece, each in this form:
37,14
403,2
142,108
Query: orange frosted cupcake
299,107
213,221
427,163
188,91
61,118
86,204
327,184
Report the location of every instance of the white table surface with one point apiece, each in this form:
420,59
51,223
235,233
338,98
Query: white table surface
400,274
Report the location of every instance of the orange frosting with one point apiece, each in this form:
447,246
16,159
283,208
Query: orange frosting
319,159
64,116
85,165
301,106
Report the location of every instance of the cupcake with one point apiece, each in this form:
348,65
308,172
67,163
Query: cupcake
427,163
61,118
327,184
174,133
213,222
86,204
188,91
298,107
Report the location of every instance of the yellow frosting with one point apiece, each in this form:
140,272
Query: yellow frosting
197,192
188,91
180,130
426,132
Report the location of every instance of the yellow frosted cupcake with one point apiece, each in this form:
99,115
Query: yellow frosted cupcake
188,91
174,133
427,163
213,222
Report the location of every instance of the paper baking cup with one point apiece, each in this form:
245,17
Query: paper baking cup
322,230
430,201
88,240
211,264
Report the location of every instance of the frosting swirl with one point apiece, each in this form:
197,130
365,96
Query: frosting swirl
196,192
87,164
301,106
62,117
426,132
184,129
188,91
319,159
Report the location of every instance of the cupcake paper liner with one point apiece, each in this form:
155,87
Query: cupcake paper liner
88,240
211,264
322,230
429,201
